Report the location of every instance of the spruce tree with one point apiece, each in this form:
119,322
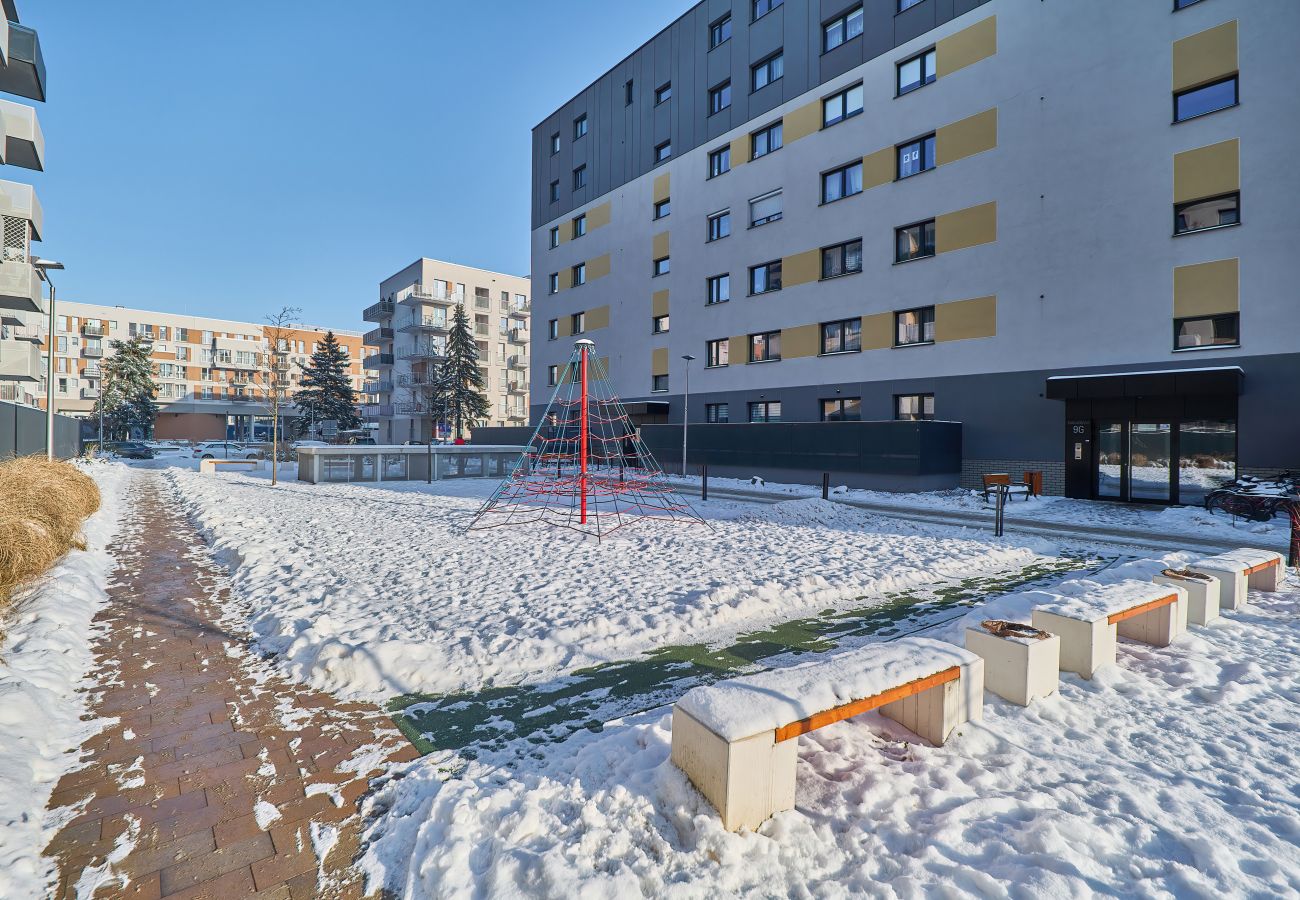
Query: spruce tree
126,396
325,391
459,391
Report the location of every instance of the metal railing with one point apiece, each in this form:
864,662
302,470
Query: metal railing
518,336
517,387
92,352
425,323
517,362
93,329
375,335
377,387
381,310
423,350
89,394
410,409
377,360
417,379
91,372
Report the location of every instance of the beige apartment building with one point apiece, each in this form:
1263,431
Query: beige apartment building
211,374
413,317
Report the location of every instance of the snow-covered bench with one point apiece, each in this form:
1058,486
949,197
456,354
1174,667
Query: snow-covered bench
1089,624
211,465
735,739
1021,664
1239,570
1202,593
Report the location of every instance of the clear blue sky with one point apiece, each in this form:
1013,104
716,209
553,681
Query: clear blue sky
231,158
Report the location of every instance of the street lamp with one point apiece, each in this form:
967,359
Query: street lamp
686,409
43,268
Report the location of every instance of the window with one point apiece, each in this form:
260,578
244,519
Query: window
720,161
555,191
719,225
720,31
763,73
719,97
659,384
763,7
580,177
663,151
915,157
663,208
553,330
906,4
553,283
842,259
764,209
579,273
1205,99
719,289
661,266
764,278
914,241
765,411
627,93
580,226
716,413
660,324
916,72
844,105
765,346
1181,4
842,409
578,323
1207,331
914,407
555,143
766,141
842,182
914,326
837,31
579,126
552,375
716,353
664,93
844,336
555,236
1212,213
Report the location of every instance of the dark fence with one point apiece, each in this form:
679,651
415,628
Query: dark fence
512,435
22,432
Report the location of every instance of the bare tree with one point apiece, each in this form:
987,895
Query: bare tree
274,373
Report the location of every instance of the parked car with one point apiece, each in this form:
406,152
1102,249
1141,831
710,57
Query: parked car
225,450
129,449
164,448
297,445
368,441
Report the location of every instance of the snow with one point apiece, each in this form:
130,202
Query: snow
1246,558
265,814
45,654
1173,773
1090,601
745,706
371,590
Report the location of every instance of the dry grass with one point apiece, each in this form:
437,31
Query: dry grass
42,506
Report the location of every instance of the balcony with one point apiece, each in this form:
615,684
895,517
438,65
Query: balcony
518,362
240,398
24,145
517,414
92,329
377,361
378,311
520,310
92,372
20,360
424,350
517,387
432,324
20,288
372,337
377,387
419,294
23,72
518,335
377,410
410,409
418,379
89,393
92,352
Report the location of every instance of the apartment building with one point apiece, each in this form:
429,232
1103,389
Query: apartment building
412,319
1026,218
22,309
212,375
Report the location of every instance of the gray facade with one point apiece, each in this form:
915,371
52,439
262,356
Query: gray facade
1057,173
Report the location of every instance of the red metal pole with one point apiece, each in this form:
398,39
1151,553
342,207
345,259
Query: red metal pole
582,446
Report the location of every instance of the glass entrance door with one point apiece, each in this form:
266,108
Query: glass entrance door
1110,460
1150,456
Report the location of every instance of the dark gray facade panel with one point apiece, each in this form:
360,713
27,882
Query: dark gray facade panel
620,144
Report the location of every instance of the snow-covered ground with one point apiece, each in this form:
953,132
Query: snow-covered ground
375,590
1174,773
44,658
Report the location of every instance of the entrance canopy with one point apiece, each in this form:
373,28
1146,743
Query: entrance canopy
1223,381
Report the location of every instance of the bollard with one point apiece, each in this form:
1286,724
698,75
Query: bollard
430,461
1000,509
826,485
704,482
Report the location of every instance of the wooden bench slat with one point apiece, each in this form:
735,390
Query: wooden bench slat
1262,566
1144,608
849,710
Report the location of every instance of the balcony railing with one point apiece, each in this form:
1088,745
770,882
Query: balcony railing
410,409
417,379
92,352
377,410
375,335
92,372
379,311
377,361
518,335
377,387
422,350
24,71
517,387
420,294
518,362
437,324
88,393
92,329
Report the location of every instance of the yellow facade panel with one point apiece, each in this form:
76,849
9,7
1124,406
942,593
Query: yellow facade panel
1207,171
802,340
597,318
801,268
659,361
971,135
801,122
878,168
740,150
966,228
564,326
968,46
1206,289
878,331
598,267
599,216
961,320
659,245
566,279
659,303
1205,56
662,187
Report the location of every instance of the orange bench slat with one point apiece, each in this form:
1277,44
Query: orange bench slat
1262,566
849,710
1144,608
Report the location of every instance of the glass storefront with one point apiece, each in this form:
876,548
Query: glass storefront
1164,462
1110,460
1207,457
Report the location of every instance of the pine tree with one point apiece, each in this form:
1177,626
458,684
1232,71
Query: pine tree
126,396
459,392
325,391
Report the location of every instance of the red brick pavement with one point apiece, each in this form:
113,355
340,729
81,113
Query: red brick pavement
168,803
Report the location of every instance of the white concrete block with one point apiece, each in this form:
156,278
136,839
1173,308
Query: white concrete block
1267,579
936,712
1232,582
1160,626
747,780
1202,597
1086,646
1015,669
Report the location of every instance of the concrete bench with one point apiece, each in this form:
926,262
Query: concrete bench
1021,664
1202,593
211,465
1240,570
1090,624
735,739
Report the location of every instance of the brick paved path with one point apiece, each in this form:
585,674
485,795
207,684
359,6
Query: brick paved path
221,779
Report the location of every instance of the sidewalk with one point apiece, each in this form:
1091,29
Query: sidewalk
221,779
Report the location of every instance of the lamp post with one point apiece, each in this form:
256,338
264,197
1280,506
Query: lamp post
43,268
686,408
